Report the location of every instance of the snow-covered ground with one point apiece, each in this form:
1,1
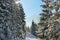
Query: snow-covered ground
29,36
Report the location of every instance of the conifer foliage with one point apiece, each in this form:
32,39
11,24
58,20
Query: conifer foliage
49,24
34,28
12,24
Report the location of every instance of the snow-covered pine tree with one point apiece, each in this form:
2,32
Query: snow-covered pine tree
34,28
54,22
19,22
12,24
45,15
5,19
49,24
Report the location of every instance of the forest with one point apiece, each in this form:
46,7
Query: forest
13,24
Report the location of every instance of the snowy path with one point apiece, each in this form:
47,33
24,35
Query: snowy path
29,36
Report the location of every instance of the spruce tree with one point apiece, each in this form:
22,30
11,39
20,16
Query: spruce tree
54,21
4,20
45,15
34,28
12,24
47,28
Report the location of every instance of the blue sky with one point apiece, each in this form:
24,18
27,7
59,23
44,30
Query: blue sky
32,10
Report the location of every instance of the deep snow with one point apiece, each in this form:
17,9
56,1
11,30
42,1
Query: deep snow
29,36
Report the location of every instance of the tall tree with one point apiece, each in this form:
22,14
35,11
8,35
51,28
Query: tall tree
33,28
45,15
48,20
54,21
12,24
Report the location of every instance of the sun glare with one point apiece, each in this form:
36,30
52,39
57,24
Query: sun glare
17,2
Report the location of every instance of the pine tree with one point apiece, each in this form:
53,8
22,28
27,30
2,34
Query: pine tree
4,19
53,21
12,24
47,28
45,15
34,28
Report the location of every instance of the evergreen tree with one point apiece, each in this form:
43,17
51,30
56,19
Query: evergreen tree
54,23
45,15
34,28
47,28
12,24
5,18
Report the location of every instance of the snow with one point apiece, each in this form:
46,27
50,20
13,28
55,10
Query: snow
29,36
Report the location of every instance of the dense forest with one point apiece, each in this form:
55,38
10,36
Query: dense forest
13,24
